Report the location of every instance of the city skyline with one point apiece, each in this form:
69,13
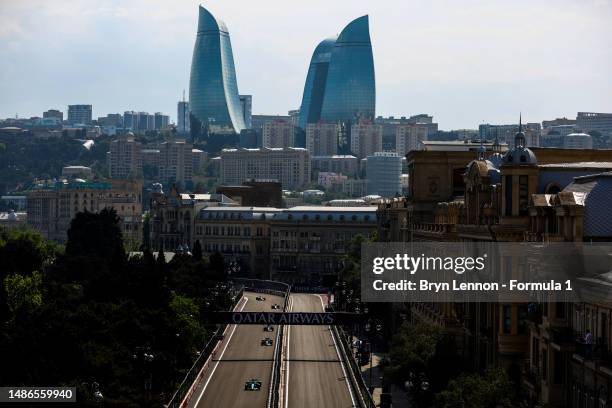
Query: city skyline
476,64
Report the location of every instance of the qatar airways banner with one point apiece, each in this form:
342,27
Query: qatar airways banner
486,272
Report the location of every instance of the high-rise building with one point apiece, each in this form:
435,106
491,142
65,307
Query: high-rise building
161,121
176,162
588,121
383,172
340,85
213,89
124,158
130,120
54,113
182,117
322,138
79,114
314,89
246,102
290,166
278,133
366,138
410,137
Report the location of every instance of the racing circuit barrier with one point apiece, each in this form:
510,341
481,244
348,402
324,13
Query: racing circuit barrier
183,393
356,378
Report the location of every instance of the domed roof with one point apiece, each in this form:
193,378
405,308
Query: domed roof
519,155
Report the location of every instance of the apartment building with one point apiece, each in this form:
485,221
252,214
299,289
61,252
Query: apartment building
290,166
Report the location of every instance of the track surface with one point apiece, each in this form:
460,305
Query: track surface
316,377
243,359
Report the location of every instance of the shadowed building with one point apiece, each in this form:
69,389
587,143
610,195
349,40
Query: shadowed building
213,89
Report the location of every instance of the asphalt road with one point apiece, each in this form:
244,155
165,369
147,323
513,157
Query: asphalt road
315,374
243,358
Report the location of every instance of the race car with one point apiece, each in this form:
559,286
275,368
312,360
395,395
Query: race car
260,298
268,328
275,306
252,385
266,342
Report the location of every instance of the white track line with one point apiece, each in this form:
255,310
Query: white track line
287,364
348,385
220,357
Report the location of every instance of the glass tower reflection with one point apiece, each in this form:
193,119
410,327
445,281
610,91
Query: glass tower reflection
213,89
340,85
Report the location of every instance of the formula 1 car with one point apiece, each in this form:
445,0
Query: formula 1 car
252,385
268,328
266,342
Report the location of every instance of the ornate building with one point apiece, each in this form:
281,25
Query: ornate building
527,194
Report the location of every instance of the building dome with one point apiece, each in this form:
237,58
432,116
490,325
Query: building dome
519,155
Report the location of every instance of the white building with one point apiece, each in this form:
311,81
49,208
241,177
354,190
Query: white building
290,166
578,141
601,122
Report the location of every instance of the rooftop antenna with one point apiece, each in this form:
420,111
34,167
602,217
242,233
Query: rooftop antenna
520,121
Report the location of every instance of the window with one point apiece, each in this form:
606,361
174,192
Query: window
545,364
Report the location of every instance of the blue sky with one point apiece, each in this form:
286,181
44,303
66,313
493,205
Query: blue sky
465,62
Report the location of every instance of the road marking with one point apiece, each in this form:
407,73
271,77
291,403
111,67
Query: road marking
220,357
287,364
340,357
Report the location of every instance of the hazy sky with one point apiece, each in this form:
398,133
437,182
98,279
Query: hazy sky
464,61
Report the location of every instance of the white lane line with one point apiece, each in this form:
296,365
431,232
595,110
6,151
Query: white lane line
220,357
287,360
348,385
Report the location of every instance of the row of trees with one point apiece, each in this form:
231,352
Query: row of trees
90,316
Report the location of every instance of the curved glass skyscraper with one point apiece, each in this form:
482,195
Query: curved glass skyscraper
340,85
314,89
213,89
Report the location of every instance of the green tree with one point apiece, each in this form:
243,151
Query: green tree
23,293
491,390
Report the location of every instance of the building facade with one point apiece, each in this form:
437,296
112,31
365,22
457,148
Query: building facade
383,171
588,121
213,89
176,162
340,84
410,137
322,138
366,138
342,164
182,117
79,114
278,133
124,158
307,243
290,166
52,206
